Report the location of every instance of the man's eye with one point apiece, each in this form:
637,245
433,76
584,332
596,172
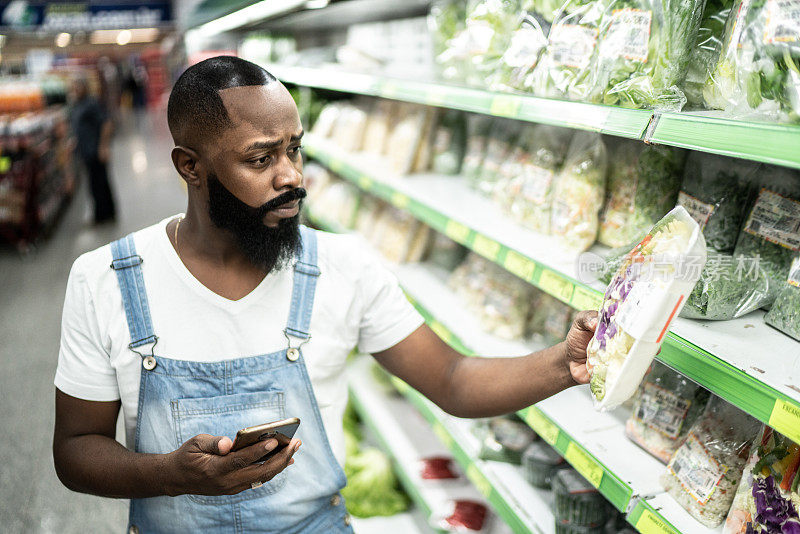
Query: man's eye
262,160
295,149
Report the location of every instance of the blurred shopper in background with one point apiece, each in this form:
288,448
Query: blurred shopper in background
92,128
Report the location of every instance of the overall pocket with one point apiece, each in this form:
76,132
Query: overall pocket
225,416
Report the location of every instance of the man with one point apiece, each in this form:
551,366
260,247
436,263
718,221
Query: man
92,129
239,317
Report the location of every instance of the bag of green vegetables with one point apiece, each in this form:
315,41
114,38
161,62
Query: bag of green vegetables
706,52
785,312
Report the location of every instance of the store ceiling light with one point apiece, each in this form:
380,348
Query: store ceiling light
259,11
63,39
123,37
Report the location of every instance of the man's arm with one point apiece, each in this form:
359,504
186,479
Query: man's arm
104,145
484,387
89,460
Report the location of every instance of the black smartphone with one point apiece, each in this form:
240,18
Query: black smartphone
283,431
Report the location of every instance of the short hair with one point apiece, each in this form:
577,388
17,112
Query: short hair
195,110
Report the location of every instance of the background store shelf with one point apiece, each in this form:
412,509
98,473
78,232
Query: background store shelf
735,359
759,141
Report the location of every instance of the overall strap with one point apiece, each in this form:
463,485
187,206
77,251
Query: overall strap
306,272
128,266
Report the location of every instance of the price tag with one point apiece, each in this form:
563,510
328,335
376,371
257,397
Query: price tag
441,331
400,200
364,182
336,165
649,523
456,231
505,106
556,285
586,299
435,95
517,264
542,426
486,247
442,434
584,464
389,90
477,478
5,164
785,418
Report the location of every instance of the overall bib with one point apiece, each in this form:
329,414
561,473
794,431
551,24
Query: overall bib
179,399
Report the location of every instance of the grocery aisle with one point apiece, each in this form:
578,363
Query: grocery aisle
32,291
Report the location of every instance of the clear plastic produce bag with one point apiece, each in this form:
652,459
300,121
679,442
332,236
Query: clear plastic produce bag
515,67
449,142
767,499
579,190
642,53
664,409
646,293
705,470
785,312
531,187
716,192
643,182
550,320
478,129
758,72
706,51
446,19
499,146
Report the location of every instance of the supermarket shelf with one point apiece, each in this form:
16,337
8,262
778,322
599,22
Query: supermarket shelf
735,360
630,123
759,141
408,438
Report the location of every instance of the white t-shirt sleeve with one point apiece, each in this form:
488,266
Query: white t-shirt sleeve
84,367
388,317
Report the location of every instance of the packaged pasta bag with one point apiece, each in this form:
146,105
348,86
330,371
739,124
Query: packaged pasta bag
531,187
379,126
703,474
716,191
758,73
449,142
350,127
767,500
642,53
405,139
708,45
770,236
325,125
785,312
664,409
478,129
579,190
570,47
643,182
647,292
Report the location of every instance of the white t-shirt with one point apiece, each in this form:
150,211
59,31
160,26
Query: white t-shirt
358,302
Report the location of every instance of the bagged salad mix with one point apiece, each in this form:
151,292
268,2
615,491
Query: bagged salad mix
647,292
643,182
716,191
579,190
642,53
707,48
499,145
449,142
664,409
447,18
785,312
478,129
703,474
758,72
515,68
767,500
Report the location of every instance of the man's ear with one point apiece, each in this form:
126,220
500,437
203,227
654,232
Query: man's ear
186,162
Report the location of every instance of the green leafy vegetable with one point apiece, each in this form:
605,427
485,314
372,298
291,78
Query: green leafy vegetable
371,485
706,50
785,312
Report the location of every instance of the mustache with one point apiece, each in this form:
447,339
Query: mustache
289,196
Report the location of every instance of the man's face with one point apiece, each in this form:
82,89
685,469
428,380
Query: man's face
255,176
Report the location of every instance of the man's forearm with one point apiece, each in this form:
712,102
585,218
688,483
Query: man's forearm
485,387
101,466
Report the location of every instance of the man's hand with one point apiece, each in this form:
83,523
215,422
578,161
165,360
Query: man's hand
205,465
578,337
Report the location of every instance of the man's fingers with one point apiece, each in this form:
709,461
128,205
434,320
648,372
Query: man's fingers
246,456
211,444
586,320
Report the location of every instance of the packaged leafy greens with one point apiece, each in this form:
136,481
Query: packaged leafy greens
785,312
531,186
499,145
664,409
449,142
643,52
516,66
767,500
704,472
579,190
447,18
646,293
478,128
643,183
758,72
715,192
706,51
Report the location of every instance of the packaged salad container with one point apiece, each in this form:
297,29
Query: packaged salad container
541,463
767,499
704,472
577,501
647,292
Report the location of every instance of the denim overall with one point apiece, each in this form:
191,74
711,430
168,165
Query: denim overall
179,399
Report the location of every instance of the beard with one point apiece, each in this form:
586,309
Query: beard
266,247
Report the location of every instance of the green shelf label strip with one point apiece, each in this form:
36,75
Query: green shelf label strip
648,521
724,380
